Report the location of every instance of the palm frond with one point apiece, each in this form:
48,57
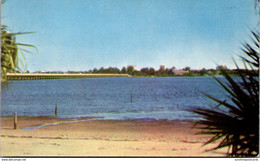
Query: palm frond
237,124
9,51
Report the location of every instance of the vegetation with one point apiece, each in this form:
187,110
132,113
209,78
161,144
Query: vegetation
237,124
151,72
9,51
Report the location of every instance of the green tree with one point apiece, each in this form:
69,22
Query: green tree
101,70
151,71
186,68
145,71
130,69
203,72
236,124
95,70
123,70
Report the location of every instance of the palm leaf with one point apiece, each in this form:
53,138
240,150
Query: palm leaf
237,125
9,51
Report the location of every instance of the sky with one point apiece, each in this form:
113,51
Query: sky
80,35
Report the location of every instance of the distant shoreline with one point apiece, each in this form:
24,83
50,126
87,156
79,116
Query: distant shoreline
41,76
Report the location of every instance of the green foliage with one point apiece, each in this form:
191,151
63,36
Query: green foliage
9,51
130,69
123,70
151,72
237,125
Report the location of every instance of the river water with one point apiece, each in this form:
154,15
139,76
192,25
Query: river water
111,98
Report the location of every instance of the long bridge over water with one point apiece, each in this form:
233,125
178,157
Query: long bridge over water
36,76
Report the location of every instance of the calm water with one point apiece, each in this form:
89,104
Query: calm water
110,98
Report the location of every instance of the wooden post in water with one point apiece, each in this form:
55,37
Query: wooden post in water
131,98
15,120
56,110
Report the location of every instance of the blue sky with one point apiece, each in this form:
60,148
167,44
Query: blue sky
84,34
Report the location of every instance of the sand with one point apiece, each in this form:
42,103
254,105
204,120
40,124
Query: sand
103,138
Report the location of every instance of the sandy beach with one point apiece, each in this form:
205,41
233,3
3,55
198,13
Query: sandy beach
101,138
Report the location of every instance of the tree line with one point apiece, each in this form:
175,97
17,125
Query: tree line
151,72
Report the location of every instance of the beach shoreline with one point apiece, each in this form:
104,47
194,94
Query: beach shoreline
84,137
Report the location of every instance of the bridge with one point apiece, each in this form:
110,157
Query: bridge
37,76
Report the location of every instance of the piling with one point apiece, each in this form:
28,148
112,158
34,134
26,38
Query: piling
131,98
15,120
56,110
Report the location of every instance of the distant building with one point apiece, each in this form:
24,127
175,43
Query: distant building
179,72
